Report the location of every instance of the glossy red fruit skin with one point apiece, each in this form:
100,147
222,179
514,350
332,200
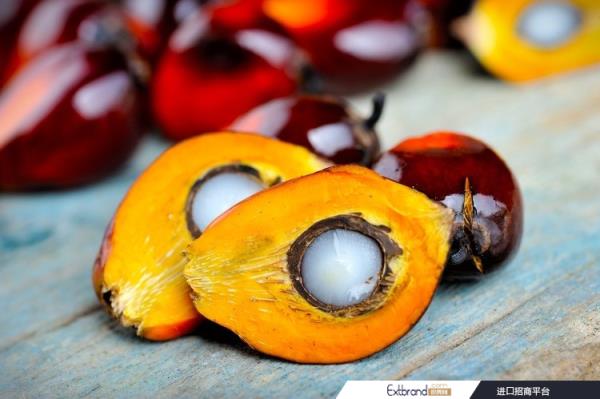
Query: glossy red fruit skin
354,45
325,125
439,165
442,14
220,63
152,22
54,22
70,116
12,15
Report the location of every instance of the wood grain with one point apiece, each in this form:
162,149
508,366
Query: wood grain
539,317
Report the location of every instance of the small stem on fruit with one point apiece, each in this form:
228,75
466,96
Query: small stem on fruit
468,207
468,215
111,32
378,106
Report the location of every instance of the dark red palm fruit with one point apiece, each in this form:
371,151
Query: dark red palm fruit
325,125
220,63
68,117
152,22
12,15
54,22
467,176
352,45
442,15
93,22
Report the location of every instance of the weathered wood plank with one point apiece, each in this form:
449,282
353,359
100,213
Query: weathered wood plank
513,324
92,356
47,241
555,333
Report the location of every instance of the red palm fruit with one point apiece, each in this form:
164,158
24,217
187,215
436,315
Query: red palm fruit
325,125
467,176
352,44
152,22
54,22
220,63
68,117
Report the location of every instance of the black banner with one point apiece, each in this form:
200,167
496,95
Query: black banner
537,389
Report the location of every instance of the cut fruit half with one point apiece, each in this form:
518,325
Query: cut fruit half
326,268
138,273
522,40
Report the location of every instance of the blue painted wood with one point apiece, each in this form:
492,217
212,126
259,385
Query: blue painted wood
47,241
537,318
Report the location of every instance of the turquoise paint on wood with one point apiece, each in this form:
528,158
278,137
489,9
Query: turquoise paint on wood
537,318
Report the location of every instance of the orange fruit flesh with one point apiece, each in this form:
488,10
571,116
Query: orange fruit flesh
240,276
139,270
491,31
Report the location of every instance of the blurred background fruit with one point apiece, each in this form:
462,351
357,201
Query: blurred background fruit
522,40
197,66
220,63
53,22
152,22
352,45
68,117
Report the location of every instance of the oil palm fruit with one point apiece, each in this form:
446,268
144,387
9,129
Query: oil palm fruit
522,40
352,45
138,274
326,268
467,176
70,116
326,125
221,62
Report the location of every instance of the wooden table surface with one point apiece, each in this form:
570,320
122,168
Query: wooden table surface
539,317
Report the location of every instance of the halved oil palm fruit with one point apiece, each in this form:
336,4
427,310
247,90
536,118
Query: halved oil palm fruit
326,268
139,272
521,40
